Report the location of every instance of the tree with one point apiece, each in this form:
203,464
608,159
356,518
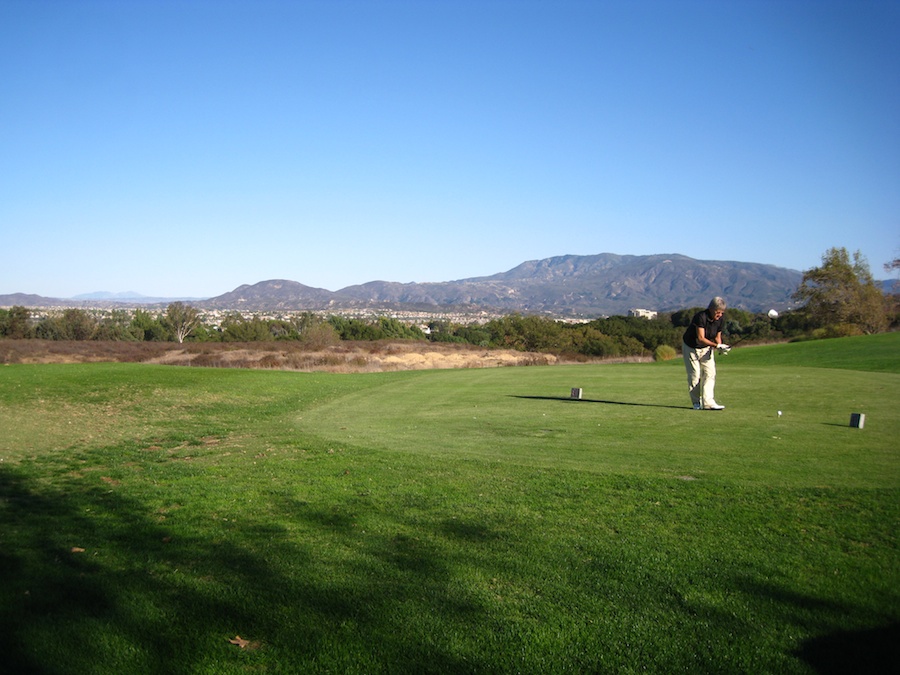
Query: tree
315,332
49,328
354,329
116,326
682,318
78,324
320,336
182,319
147,328
893,299
14,323
890,267
395,329
842,293
72,324
235,328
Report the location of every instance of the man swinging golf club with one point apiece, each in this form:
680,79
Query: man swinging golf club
701,340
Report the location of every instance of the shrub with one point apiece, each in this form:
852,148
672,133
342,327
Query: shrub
842,330
664,353
271,361
320,336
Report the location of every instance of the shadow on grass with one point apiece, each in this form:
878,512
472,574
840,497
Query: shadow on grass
568,399
834,652
876,650
94,582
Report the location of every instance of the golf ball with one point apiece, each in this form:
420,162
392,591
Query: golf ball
779,413
773,314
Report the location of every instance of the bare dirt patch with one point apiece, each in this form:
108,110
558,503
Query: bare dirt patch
345,357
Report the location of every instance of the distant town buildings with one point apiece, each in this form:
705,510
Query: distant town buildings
642,313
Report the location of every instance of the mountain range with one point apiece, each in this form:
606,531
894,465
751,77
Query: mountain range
564,286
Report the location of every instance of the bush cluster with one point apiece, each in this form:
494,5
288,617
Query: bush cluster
610,337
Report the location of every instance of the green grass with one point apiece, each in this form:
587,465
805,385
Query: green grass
453,521
871,353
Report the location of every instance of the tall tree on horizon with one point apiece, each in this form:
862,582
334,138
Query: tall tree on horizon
182,319
842,292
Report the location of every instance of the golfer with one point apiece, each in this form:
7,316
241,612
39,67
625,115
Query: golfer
701,340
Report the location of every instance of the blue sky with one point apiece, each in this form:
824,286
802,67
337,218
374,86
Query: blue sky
182,148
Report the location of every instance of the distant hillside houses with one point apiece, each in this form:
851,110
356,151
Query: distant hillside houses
642,313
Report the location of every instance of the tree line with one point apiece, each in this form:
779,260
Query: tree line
838,298
616,336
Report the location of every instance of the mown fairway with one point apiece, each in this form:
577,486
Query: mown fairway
453,521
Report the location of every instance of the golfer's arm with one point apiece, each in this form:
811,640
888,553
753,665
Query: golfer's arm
702,339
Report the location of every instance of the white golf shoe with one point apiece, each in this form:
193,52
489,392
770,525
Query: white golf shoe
715,406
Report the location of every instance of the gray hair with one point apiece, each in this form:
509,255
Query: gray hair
716,303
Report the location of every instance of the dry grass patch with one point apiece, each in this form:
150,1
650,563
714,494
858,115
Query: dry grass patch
346,357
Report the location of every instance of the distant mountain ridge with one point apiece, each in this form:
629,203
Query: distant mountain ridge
274,294
568,285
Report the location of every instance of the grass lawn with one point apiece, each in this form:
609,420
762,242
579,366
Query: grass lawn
156,519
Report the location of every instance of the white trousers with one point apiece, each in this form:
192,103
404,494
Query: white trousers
700,364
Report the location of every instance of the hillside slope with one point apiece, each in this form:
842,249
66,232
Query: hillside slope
599,284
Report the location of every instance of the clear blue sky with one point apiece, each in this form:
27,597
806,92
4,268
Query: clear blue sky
182,148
